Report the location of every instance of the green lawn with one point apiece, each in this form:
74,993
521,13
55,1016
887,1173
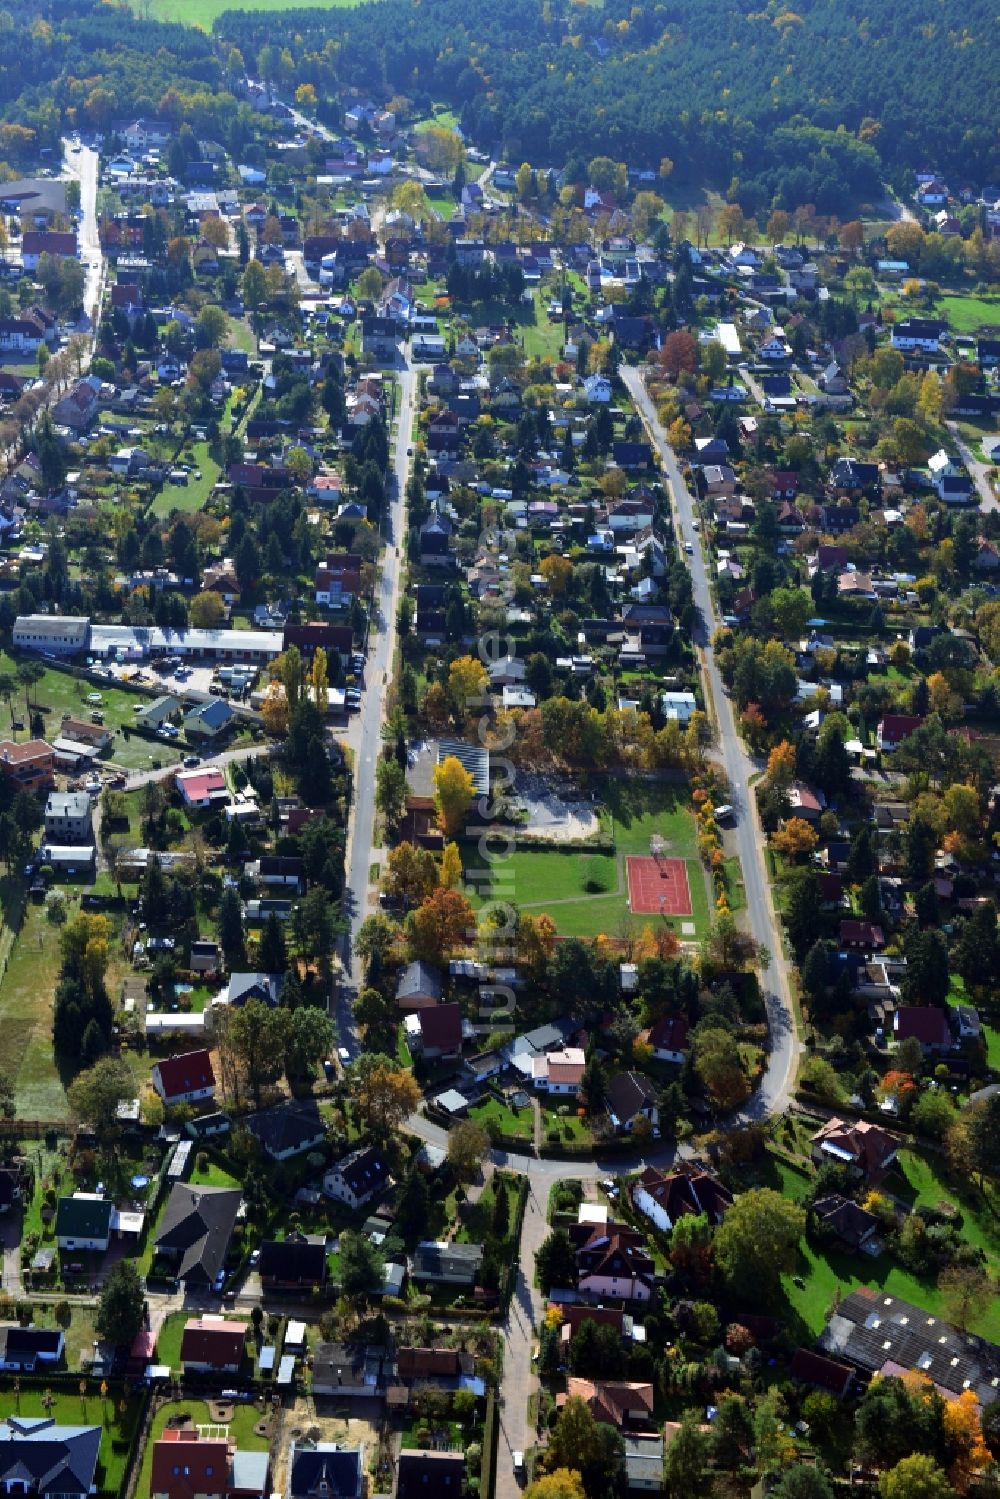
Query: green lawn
193,496
518,1122
971,314
241,1431
27,991
204,12
168,1342
71,1410
991,1036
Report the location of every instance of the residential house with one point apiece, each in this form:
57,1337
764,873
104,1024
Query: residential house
325,1470
808,1367
39,1457
668,1036
79,406
242,987
880,1334
918,335
612,1261
200,788
35,243
436,1031
293,1264
867,1149
893,728
83,1222
559,1072
28,766
845,1220
188,1078
444,1263
419,986
68,817
213,1345
287,1130
204,957
94,737
195,1230
349,1370
357,1177
30,1350
925,1023
663,1197
209,720
430,1475
644,1463
862,936
628,1097
190,1465
615,1402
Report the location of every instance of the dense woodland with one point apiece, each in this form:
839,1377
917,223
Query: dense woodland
773,107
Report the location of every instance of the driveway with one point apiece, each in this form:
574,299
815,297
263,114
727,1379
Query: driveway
979,471
10,1239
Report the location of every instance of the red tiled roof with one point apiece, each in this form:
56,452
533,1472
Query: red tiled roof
185,1073
212,1340
926,1022
441,1026
184,1465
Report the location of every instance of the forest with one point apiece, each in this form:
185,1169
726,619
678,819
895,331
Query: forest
773,108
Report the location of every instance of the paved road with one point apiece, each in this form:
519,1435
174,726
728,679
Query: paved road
775,1090
527,1306
368,736
979,470
84,164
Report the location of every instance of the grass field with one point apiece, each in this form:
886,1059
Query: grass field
991,1036
518,1122
971,314
27,990
187,499
204,12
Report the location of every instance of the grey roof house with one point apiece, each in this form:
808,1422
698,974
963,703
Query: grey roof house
195,1230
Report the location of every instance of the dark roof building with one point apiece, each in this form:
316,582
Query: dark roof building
195,1230
422,1474
870,1330
39,1457
324,1468
295,1263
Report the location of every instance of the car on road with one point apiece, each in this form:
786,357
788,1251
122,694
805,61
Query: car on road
518,1462
689,548
343,1055
192,760
725,813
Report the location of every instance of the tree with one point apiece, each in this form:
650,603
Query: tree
253,1040
390,790
361,1266
454,792
933,1114
274,711
926,980
679,352
468,1148
121,1308
796,839
450,873
964,1289
468,681
413,1209
563,1483
803,1481
254,285
382,1094
685,1463
719,1068
232,938
758,1241
915,1477
206,610
94,1095
375,938
311,1035
555,1262
411,873
892,1422
272,954
320,679
802,909
442,922
8,1107
557,571
580,1442
790,608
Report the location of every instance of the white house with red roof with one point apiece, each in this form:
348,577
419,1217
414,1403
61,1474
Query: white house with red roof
200,788
559,1071
188,1078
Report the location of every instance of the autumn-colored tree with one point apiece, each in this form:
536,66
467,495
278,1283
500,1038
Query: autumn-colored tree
557,572
206,610
656,942
915,1477
443,922
852,236
679,435
454,792
320,679
450,874
305,96
274,711
962,1420
898,1085
731,223
646,209
468,681
778,226
536,942
795,838
943,699
564,1483
411,873
436,707
382,1095
781,765
679,352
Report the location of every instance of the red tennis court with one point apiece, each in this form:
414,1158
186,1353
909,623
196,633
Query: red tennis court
658,887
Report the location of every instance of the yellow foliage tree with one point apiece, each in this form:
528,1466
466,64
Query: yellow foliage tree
781,765
795,839
274,711
450,875
320,679
557,572
468,680
453,794
440,924
563,1483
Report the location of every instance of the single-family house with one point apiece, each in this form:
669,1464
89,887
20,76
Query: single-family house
927,1024
893,728
325,1470
628,1097
287,1130
445,1263
865,1148
847,1221
30,1350
612,1262
209,720
39,1457
357,1177
200,788
668,1036
212,1345
435,1031
419,986
293,1264
83,1222
430,1475
187,1078
68,817
615,1402
559,1072
195,1230
663,1197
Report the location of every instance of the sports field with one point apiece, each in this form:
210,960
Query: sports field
658,887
